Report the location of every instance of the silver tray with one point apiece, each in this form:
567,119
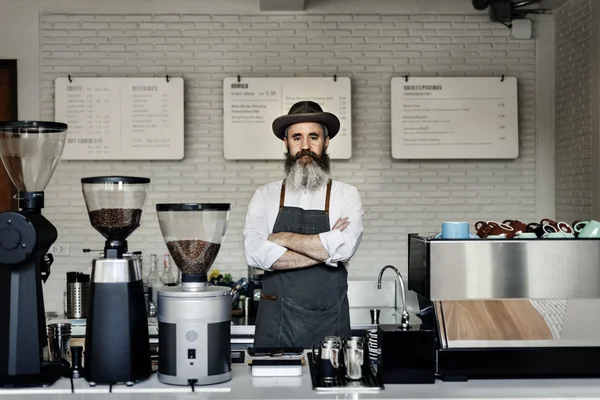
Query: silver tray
369,383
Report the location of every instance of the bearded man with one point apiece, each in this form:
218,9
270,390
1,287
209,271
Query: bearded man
302,231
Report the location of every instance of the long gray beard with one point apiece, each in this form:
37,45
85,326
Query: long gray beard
310,176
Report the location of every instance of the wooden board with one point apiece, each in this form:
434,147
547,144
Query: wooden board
494,320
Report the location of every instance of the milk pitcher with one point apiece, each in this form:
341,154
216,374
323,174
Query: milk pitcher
354,348
328,358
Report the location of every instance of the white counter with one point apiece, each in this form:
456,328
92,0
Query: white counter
244,386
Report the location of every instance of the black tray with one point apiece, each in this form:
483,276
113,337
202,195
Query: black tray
370,382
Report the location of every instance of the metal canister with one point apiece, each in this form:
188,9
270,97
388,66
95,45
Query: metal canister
78,287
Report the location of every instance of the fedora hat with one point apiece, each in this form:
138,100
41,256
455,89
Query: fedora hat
306,111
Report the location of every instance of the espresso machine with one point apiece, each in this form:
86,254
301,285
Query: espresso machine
506,309
30,152
194,319
116,337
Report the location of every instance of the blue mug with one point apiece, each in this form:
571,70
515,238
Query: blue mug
455,230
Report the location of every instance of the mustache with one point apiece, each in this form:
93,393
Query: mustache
306,152
320,161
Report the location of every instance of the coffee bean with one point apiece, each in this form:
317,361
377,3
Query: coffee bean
116,223
193,256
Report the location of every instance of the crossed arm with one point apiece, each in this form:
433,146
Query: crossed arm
285,250
302,250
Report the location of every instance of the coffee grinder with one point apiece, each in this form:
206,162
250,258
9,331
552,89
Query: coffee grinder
117,346
30,152
194,319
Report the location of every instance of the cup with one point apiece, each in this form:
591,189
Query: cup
373,348
539,229
375,315
518,226
455,230
565,228
482,228
329,358
548,221
59,338
354,350
587,229
500,229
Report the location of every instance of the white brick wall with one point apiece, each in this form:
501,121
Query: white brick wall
574,110
399,197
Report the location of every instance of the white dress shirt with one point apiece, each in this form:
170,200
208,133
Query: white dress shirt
344,201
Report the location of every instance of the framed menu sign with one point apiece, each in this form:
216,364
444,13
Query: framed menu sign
121,118
251,105
455,118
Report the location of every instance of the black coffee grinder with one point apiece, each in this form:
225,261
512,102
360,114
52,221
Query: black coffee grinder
117,344
30,152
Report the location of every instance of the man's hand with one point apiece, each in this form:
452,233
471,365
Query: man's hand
341,224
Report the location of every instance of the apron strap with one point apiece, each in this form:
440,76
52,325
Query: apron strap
282,195
327,196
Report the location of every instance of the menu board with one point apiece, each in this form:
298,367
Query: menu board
121,118
455,118
251,104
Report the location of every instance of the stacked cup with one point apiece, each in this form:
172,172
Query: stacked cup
59,338
373,348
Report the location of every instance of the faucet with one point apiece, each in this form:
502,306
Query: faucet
405,316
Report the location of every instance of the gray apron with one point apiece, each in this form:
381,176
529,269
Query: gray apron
298,308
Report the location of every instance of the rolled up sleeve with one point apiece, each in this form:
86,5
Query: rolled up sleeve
258,250
341,246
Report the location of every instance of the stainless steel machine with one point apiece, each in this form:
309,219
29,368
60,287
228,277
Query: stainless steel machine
194,320
509,308
116,337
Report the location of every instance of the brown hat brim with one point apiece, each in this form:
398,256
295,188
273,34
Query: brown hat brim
328,119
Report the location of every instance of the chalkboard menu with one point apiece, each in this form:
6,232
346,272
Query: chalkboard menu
455,118
251,104
121,118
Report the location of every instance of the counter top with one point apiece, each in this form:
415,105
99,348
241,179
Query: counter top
244,386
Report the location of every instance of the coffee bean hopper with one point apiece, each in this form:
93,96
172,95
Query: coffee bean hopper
194,320
116,336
